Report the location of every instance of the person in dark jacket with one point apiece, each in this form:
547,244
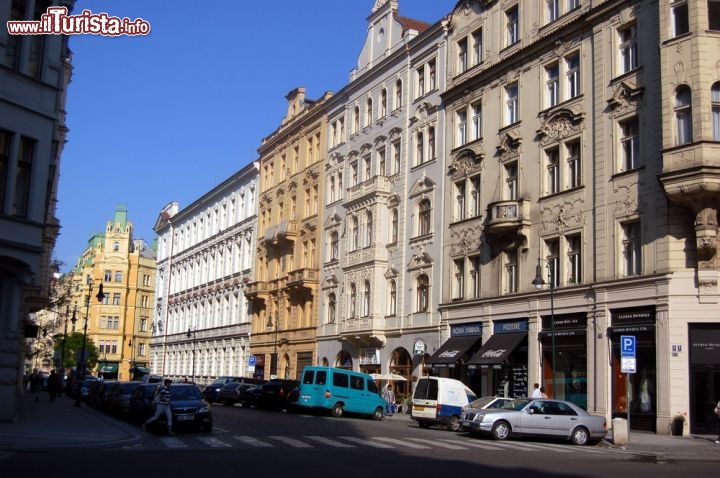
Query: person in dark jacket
162,406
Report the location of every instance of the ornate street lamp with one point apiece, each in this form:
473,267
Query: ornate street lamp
274,357
539,283
82,365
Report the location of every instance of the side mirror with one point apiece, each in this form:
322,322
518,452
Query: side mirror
531,411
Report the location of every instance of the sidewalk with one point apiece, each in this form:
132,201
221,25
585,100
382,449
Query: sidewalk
40,425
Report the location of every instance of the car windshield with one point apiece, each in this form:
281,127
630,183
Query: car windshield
232,386
515,404
185,393
481,402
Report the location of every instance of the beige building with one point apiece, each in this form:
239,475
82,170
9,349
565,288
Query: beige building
118,324
284,294
587,134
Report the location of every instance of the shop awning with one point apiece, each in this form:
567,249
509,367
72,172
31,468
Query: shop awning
453,350
496,350
107,367
140,369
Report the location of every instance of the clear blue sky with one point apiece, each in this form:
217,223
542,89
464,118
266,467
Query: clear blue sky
168,116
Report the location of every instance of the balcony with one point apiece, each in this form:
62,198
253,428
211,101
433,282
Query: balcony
363,331
286,230
302,278
508,222
258,290
375,186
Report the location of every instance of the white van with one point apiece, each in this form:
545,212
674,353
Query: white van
439,401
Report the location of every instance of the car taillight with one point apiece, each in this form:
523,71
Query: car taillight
327,393
437,409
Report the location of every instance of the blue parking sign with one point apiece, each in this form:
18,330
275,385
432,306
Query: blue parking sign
627,345
251,361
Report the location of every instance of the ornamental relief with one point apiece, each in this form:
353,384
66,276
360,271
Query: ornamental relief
625,98
560,217
558,129
509,146
465,240
625,190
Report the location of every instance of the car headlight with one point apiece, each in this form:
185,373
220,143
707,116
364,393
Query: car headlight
204,409
479,417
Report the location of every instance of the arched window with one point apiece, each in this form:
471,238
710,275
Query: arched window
424,210
334,246
116,246
715,99
393,298
353,301
394,229
332,308
368,229
398,94
356,119
368,112
683,115
366,299
354,233
423,293
383,103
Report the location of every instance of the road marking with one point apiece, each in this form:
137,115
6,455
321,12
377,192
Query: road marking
248,440
439,443
328,441
474,444
172,442
402,443
291,441
214,442
537,447
363,441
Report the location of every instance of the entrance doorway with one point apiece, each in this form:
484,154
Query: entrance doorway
705,395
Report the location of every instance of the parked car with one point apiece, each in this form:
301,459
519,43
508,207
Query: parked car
118,398
98,393
211,392
249,396
539,417
230,394
188,408
340,391
439,401
472,409
274,394
81,388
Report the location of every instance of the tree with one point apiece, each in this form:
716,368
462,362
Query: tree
73,344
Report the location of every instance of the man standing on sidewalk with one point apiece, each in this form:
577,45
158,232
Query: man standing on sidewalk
162,406
717,418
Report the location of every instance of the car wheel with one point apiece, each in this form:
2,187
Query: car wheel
501,430
337,410
424,424
580,436
378,414
454,424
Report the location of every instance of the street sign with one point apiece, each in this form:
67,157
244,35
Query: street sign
627,346
627,364
251,361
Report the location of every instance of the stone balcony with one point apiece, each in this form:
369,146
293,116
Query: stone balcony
377,185
508,222
302,278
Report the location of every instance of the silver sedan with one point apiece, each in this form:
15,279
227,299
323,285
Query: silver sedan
540,417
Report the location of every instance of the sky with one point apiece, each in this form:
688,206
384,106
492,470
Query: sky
168,116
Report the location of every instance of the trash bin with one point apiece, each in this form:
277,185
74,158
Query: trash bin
619,431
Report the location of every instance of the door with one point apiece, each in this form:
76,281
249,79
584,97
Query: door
705,393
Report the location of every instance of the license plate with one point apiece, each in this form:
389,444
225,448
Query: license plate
418,408
184,418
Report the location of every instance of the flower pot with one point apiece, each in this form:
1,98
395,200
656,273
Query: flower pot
676,427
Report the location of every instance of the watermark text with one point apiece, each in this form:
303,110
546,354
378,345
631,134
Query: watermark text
57,22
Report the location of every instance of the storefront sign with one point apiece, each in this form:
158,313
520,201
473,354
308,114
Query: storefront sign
369,356
565,322
463,330
419,347
705,345
633,316
510,326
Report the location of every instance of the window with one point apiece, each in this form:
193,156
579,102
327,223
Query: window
477,39
573,4
393,298
459,282
511,102
475,277
118,276
354,173
460,200
107,276
476,121
553,261
116,299
513,27
573,164
37,42
683,115
419,148
630,144
332,308
368,229
715,99
367,168
573,75
398,94
5,140
143,324
366,299
461,118
574,262
431,142
628,49
432,75
680,17
394,227
334,246
553,10
23,176
396,156
511,272
12,47
511,181
553,171
354,233
356,119
353,301
383,103
552,73
423,293
475,196
368,112
424,210
631,248
146,280
714,15
462,55
420,81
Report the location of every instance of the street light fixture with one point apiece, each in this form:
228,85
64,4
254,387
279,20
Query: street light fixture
274,357
192,333
82,365
539,283
62,353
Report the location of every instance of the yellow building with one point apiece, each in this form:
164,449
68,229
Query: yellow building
119,322
285,294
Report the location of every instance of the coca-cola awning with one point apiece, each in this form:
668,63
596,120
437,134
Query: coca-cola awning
496,349
453,351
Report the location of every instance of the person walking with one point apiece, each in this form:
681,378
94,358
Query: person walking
536,393
389,397
717,417
53,385
162,406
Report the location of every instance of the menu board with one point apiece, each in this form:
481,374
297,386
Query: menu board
519,381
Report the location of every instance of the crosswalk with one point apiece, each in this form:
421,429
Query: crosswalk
347,442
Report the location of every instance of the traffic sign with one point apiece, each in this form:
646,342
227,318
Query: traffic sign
251,361
627,364
627,346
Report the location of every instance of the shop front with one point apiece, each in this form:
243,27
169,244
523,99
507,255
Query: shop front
108,370
634,393
704,376
504,357
451,359
564,355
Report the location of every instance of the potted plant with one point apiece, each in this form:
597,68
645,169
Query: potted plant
678,423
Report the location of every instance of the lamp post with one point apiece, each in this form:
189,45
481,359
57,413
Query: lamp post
82,365
539,283
62,352
192,333
273,358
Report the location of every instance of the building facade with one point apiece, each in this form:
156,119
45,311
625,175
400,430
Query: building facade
382,254
581,204
117,323
284,294
201,325
34,75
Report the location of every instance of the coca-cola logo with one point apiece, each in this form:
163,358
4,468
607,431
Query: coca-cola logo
494,353
449,354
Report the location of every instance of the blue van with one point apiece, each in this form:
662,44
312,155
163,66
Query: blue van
340,391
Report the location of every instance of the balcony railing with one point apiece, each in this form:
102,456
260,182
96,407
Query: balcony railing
508,215
377,185
304,277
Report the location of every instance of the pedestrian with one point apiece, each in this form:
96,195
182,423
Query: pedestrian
536,393
717,417
389,397
162,406
542,392
53,385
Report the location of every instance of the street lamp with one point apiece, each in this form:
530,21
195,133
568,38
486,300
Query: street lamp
194,337
82,366
62,352
273,358
539,283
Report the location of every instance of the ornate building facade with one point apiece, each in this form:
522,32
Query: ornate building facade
201,324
